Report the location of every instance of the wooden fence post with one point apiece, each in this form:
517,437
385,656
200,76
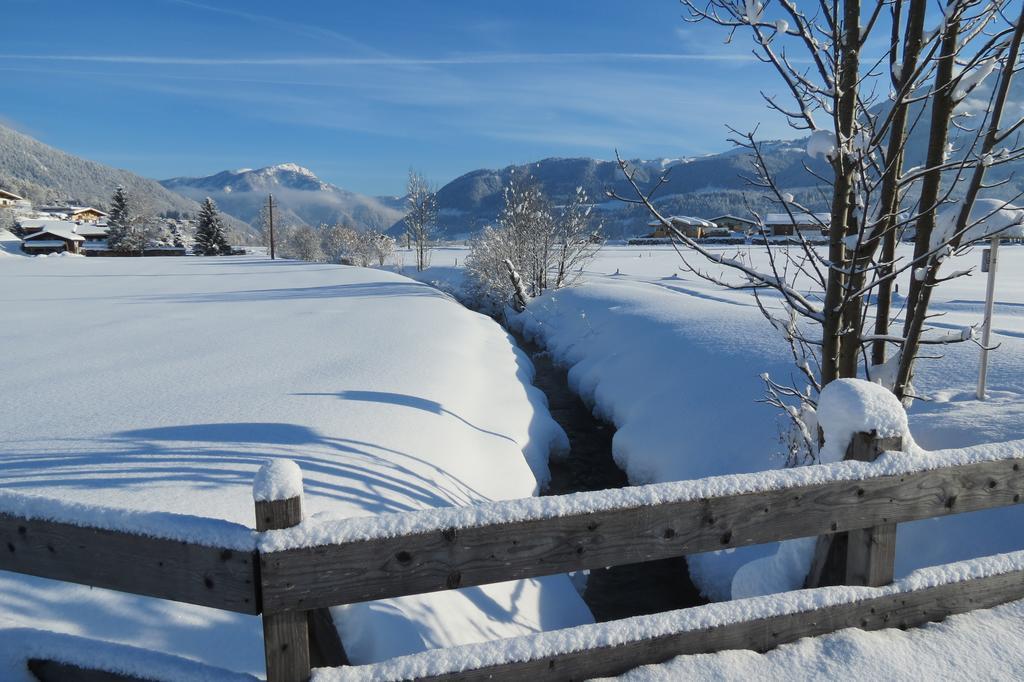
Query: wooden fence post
285,634
871,552
859,557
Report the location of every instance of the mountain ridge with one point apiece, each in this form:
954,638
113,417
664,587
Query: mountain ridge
300,196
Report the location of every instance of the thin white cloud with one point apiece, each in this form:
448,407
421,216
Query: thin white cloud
453,60
292,26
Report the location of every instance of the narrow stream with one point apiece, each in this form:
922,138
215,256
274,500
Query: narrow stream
620,591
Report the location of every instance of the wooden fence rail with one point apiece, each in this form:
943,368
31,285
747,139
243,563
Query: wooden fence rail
291,587
218,577
310,577
901,610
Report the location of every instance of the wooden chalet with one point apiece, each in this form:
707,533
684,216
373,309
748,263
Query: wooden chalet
694,228
87,214
93,233
735,223
9,199
52,240
76,214
786,225
26,226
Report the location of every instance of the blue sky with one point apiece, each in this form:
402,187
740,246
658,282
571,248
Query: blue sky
361,91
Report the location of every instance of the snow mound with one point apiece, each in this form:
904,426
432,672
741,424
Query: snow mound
849,406
845,407
389,396
277,479
782,571
19,645
821,143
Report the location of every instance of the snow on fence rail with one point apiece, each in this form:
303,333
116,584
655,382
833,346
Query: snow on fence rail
292,573
759,623
363,559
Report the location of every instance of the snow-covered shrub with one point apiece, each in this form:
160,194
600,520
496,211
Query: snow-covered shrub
534,246
347,245
303,243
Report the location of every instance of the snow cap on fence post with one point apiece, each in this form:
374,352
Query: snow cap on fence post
277,479
850,406
277,494
860,420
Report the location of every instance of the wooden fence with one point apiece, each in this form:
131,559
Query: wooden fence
855,519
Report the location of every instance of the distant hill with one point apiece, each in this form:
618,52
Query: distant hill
300,196
47,175
704,186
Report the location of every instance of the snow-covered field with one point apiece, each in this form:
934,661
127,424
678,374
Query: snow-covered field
674,361
162,384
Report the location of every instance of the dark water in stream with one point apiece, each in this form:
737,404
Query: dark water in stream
621,591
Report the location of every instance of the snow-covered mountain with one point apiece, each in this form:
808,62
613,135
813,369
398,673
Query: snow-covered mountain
300,197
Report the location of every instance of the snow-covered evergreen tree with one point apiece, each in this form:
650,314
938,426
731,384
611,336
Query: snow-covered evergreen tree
177,237
6,219
210,238
123,233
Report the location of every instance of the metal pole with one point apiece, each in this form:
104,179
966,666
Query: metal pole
270,204
986,330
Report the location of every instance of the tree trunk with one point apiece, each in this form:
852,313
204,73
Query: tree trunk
843,184
919,295
890,196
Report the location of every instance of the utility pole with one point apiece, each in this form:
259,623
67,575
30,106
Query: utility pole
270,212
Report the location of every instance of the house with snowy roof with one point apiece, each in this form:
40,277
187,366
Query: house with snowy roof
52,240
787,225
95,234
9,199
735,223
78,214
25,226
694,228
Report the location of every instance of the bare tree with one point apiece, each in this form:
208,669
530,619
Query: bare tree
534,246
576,239
420,218
381,246
861,112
